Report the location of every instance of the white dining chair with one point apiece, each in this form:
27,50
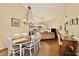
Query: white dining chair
30,45
12,49
37,41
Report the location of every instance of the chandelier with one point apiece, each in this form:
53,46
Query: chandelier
30,17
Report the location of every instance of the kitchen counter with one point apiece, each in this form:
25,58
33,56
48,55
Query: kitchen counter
48,35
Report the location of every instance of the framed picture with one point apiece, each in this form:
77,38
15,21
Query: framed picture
65,27
71,21
66,24
76,21
15,22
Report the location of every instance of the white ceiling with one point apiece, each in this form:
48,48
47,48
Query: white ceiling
46,11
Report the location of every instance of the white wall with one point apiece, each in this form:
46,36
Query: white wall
73,12
48,11
7,11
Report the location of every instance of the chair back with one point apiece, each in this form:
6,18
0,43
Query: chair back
38,37
8,43
33,38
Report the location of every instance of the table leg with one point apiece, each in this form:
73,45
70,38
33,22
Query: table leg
20,50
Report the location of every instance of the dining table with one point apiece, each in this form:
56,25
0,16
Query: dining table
21,41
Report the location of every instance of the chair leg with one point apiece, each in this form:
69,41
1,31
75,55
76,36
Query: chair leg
39,44
30,52
38,47
35,48
13,53
8,53
23,51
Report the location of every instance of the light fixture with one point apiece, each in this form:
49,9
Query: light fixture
28,16
24,21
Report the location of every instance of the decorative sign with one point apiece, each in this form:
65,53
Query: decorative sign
15,22
76,21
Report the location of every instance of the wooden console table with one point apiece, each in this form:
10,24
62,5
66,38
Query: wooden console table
68,48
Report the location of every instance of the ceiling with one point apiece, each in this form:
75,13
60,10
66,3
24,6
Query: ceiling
44,12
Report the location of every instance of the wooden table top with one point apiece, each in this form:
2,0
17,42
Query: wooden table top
67,38
21,40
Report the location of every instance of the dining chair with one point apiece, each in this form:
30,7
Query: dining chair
12,49
37,41
30,45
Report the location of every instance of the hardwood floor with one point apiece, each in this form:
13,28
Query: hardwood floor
48,48
4,52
